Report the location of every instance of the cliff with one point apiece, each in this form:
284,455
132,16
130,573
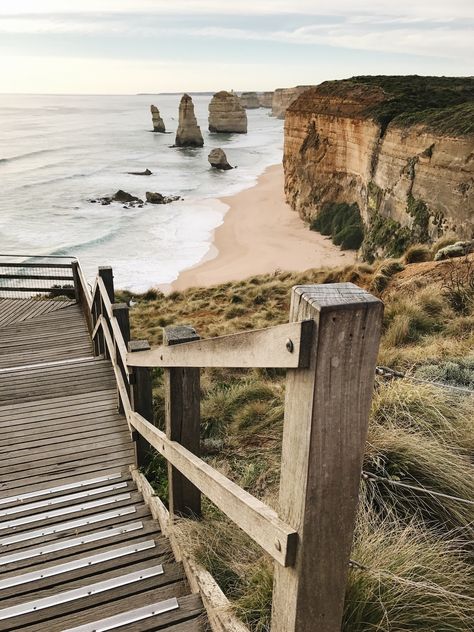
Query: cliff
158,124
409,170
283,98
226,114
250,100
265,99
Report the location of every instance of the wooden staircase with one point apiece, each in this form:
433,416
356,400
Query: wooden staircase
79,549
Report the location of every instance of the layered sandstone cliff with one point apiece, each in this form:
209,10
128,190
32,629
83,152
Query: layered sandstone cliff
265,99
283,98
250,100
226,114
410,182
188,133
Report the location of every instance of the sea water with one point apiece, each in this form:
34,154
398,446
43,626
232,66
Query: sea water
59,152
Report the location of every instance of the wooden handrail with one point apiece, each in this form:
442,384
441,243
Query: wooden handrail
330,348
253,516
282,346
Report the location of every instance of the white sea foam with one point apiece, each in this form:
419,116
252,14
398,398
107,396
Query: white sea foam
58,152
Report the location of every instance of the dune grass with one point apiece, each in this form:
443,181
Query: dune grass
417,433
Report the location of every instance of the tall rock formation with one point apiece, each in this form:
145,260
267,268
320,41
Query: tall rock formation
226,114
158,125
410,171
189,132
265,99
250,100
284,97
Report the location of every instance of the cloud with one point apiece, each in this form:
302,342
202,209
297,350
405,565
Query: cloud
448,38
426,9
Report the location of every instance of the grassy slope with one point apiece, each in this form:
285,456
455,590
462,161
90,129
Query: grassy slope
444,104
417,433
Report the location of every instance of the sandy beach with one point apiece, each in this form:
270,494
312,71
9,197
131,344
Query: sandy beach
261,234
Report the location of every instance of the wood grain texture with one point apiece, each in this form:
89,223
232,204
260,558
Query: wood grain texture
282,346
182,423
254,517
325,428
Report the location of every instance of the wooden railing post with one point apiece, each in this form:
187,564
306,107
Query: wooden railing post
106,274
121,313
77,282
326,417
183,422
141,399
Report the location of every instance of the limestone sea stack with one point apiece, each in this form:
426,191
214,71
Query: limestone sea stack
265,99
189,132
250,100
158,125
218,159
226,114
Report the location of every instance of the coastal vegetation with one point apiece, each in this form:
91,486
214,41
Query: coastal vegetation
445,104
343,222
412,551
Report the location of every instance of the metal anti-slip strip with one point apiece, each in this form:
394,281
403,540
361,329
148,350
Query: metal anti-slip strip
64,526
59,488
44,549
47,502
82,562
80,593
63,511
132,616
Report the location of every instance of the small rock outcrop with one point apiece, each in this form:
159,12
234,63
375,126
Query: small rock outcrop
265,99
158,124
218,159
121,196
157,198
226,114
189,132
147,172
459,249
250,100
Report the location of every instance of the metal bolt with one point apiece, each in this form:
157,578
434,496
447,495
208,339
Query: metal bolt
289,345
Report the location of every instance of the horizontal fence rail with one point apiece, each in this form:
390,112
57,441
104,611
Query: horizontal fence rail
37,277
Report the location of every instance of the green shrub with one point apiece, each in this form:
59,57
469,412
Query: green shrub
343,222
418,253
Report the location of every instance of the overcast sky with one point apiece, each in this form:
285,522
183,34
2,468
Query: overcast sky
130,46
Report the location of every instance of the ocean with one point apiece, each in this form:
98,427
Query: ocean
58,152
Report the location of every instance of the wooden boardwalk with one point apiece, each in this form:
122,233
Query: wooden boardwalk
79,550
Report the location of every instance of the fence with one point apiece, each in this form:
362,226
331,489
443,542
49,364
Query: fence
23,276
329,349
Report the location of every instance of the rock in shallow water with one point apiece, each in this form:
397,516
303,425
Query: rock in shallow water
153,197
189,132
158,124
226,114
147,172
218,159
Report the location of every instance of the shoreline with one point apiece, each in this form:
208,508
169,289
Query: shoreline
261,234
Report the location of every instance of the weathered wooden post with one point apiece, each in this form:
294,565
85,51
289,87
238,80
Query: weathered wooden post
141,399
183,421
107,276
326,417
121,312
76,281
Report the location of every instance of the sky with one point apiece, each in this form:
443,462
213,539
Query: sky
133,46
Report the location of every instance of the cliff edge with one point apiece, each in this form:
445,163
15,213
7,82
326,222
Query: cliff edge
400,148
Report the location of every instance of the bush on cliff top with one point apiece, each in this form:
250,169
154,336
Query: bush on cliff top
443,103
343,222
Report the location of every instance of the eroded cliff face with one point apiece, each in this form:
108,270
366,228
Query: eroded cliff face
283,97
406,180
